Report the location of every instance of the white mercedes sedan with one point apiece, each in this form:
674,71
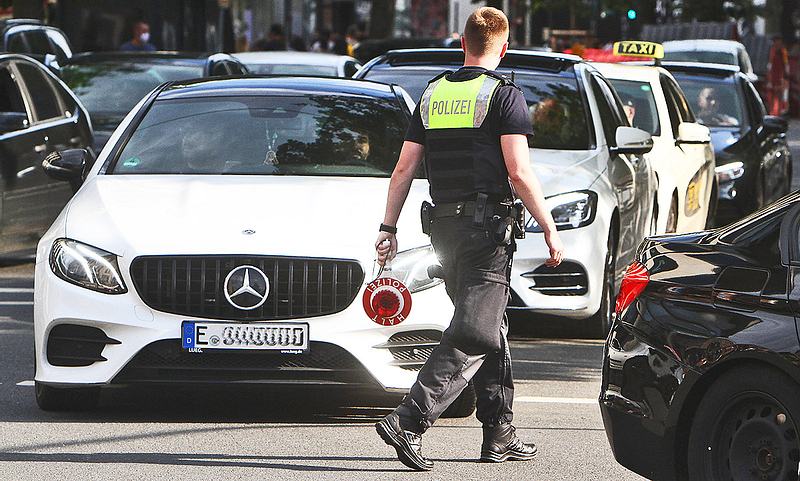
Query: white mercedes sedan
224,235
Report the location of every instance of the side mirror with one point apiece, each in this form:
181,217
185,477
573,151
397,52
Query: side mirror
68,165
775,125
631,140
51,62
13,121
692,133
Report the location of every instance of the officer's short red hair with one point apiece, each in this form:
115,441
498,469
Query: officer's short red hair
486,31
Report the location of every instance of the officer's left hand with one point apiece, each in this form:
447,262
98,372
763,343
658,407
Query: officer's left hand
386,251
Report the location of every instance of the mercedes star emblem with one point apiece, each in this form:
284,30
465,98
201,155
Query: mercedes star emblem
246,287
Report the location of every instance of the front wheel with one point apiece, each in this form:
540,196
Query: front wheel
51,398
599,324
745,428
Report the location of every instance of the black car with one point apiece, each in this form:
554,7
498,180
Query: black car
38,115
754,165
110,83
33,38
701,373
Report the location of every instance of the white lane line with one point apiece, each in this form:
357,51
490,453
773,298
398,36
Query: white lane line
16,290
16,303
25,383
555,400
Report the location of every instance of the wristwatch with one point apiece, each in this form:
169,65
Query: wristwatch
388,228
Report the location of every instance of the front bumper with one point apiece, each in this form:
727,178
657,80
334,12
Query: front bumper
363,346
572,291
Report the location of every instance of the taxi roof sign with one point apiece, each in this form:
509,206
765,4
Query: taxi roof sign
636,48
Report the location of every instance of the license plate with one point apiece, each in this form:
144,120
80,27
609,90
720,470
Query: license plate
287,337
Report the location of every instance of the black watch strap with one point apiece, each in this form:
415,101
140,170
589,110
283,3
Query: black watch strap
388,228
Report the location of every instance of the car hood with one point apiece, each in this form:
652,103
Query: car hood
561,171
331,217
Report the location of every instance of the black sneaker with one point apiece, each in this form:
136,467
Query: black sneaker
500,443
407,444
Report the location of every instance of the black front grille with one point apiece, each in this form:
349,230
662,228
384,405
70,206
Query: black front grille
566,279
193,285
165,361
411,349
73,345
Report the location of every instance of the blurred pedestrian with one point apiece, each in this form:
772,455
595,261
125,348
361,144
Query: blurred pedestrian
778,77
353,39
275,40
324,43
141,39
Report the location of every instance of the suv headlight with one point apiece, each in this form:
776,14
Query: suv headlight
411,267
729,172
569,211
86,266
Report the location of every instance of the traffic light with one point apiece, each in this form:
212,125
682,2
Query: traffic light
631,14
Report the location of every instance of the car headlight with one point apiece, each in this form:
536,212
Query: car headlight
569,211
729,172
411,267
86,266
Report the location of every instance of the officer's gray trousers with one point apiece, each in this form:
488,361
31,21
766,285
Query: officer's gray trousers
474,347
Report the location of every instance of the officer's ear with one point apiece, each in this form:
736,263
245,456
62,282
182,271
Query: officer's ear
463,44
503,50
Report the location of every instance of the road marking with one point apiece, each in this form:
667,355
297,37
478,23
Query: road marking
16,303
25,383
16,290
555,400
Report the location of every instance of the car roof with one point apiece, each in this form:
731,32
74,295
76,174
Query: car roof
293,58
143,57
698,68
288,85
451,56
647,73
704,44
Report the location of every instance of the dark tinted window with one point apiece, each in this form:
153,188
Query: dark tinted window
727,58
278,69
10,97
639,104
43,96
757,109
219,69
237,69
350,68
684,109
715,102
115,87
316,135
16,43
38,42
607,117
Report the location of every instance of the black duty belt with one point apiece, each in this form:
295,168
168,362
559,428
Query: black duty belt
466,209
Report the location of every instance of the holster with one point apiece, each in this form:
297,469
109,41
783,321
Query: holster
501,229
425,217
518,213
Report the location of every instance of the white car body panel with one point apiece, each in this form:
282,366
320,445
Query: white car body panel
675,165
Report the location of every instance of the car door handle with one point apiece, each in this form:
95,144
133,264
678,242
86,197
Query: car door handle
39,148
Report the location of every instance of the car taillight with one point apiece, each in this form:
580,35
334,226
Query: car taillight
634,282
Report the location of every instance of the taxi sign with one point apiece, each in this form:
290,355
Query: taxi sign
636,48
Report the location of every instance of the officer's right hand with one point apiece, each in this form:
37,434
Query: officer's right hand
386,250
556,249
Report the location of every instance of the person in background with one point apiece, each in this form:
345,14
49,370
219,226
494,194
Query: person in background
352,37
778,77
275,40
141,39
324,43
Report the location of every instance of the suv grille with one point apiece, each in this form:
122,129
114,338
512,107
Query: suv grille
298,287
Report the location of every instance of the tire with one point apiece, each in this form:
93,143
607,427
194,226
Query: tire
745,428
463,406
712,207
672,217
600,323
66,399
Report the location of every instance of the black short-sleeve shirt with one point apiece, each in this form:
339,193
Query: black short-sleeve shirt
508,111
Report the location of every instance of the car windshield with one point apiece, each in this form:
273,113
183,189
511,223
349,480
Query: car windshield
556,106
702,56
715,102
315,135
639,104
288,69
116,87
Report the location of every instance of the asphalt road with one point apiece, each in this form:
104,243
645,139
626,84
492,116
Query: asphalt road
256,434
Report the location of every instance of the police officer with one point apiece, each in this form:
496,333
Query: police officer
471,126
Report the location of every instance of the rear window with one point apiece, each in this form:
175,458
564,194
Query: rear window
725,58
272,69
314,135
556,106
639,104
